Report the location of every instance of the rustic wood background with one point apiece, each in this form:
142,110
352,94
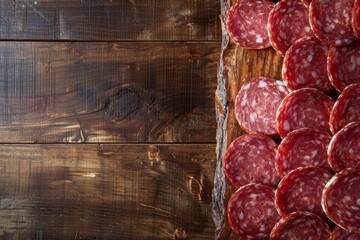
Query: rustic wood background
107,118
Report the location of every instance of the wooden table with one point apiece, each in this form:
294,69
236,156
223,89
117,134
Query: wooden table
107,118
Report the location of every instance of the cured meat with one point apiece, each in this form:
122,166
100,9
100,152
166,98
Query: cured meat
340,234
300,226
356,18
306,107
331,21
256,105
251,211
301,190
344,148
306,2
288,21
346,108
246,23
305,65
344,65
341,199
251,159
301,148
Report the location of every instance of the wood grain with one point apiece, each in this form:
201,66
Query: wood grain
110,20
107,92
237,67
106,191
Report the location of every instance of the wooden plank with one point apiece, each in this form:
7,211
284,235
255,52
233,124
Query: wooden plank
106,191
237,67
110,19
107,92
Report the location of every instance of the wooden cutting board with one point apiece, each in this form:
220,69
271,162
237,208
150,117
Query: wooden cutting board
237,66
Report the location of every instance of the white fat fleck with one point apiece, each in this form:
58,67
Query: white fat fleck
252,117
262,228
306,157
286,126
347,198
314,74
281,88
246,86
252,32
358,201
253,104
241,216
338,42
307,29
330,203
313,153
285,165
310,58
243,102
259,39
262,84
300,79
253,195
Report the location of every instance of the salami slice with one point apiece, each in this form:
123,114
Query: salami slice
288,21
344,148
256,105
346,108
300,148
331,21
246,23
305,65
301,190
251,211
306,2
356,18
340,234
300,226
304,108
344,65
251,159
341,199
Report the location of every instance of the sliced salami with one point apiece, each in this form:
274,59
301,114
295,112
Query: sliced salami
301,190
304,108
251,211
300,226
246,23
256,105
251,159
341,199
356,18
340,234
344,65
300,148
346,108
288,21
344,148
331,21
305,65
306,2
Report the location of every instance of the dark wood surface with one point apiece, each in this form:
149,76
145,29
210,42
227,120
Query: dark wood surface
107,118
107,92
110,20
106,191
237,67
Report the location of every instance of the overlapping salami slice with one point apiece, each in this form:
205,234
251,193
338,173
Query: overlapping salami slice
247,23
288,21
344,148
341,199
301,190
300,226
305,65
251,211
356,18
251,159
331,21
301,148
340,234
304,108
256,105
306,2
344,65
346,108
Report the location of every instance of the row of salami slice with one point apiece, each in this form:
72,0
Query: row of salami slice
258,24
